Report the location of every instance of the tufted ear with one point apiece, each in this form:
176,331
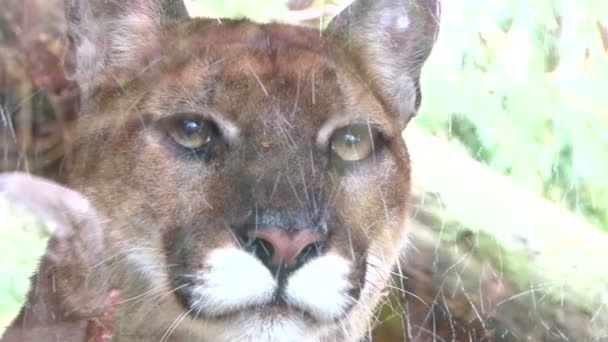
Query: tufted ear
106,34
387,42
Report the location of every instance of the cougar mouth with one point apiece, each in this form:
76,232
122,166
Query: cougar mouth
276,309
233,282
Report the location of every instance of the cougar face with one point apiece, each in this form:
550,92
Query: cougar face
251,180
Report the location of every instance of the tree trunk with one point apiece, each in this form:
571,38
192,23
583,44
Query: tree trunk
490,261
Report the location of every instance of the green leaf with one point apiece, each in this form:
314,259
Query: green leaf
260,11
23,241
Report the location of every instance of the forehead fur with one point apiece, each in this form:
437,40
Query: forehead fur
218,35
236,67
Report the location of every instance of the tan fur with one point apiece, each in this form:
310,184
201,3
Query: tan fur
276,94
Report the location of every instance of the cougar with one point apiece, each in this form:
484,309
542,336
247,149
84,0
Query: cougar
249,180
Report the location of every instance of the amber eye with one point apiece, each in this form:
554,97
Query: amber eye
192,133
354,143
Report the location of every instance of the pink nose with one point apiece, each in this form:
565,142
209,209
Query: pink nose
282,248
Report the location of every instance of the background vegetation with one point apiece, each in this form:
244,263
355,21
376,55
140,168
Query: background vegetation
520,85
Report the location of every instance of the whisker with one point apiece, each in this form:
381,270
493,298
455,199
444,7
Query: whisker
178,320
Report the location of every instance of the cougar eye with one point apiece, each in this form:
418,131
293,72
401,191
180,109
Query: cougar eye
192,133
354,143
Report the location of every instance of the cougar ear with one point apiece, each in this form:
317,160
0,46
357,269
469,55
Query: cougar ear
112,33
387,42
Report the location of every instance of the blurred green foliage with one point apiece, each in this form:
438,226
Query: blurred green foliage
261,11
521,85
23,240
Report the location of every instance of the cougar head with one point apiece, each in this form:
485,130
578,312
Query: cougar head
251,180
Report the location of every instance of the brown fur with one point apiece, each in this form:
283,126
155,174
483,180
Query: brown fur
276,93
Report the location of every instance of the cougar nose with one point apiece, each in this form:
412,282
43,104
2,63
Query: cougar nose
277,248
